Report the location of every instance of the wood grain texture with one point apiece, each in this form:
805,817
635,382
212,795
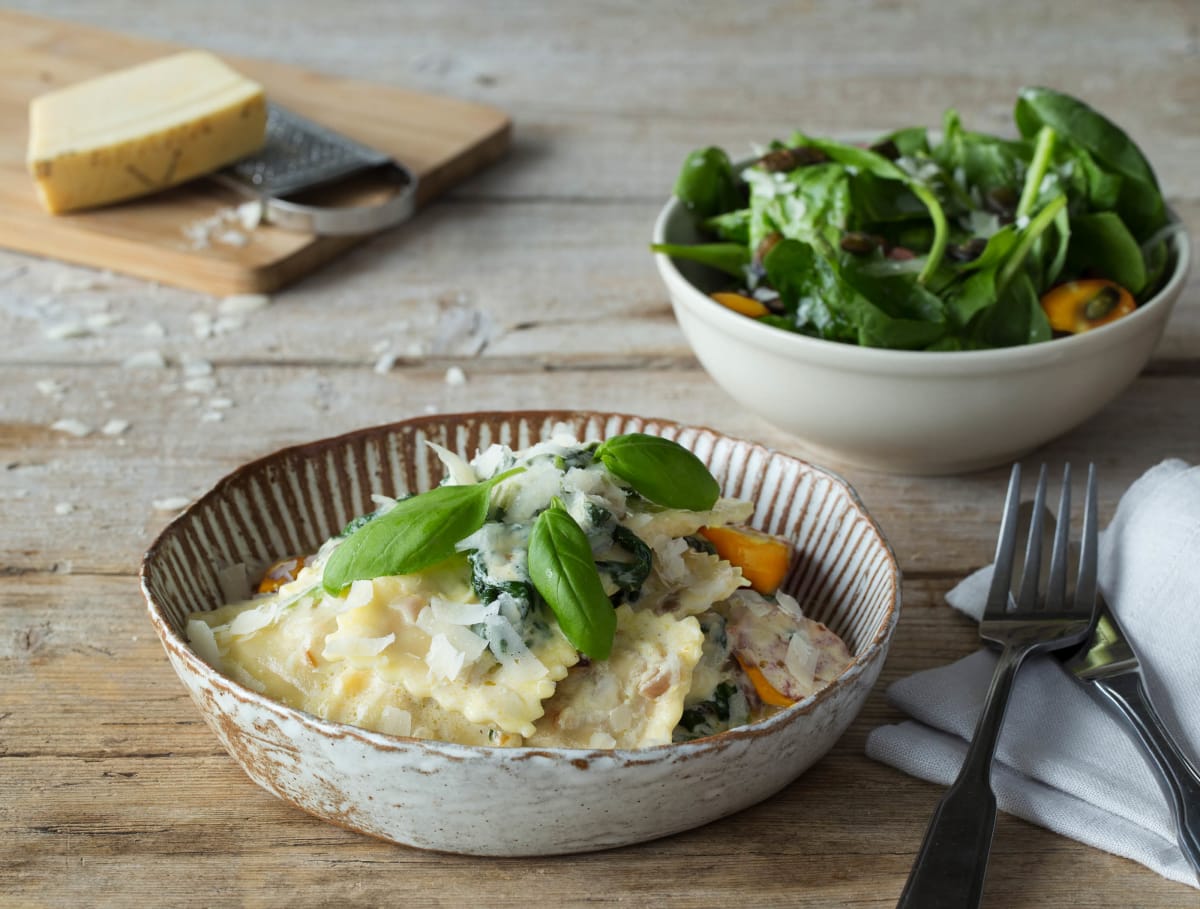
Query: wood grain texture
442,140
533,278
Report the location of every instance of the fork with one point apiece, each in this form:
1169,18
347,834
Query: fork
950,867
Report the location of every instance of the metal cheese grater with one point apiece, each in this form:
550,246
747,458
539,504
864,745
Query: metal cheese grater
300,155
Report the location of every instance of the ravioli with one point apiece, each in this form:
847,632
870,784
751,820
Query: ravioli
468,651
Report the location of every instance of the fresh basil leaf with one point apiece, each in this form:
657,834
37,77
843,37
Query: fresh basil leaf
416,533
706,185
564,573
731,258
662,471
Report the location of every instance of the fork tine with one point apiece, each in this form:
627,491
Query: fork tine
1027,599
1056,586
1006,547
1085,584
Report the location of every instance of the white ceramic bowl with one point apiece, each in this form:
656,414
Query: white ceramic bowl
520,801
910,412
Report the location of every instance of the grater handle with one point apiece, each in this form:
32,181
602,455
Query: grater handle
349,220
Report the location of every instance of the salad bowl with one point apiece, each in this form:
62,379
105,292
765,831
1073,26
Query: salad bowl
927,301
903,411
513,801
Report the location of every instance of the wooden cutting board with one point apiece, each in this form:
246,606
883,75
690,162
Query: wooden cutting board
442,140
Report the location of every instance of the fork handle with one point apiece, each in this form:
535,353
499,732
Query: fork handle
1179,776
950,867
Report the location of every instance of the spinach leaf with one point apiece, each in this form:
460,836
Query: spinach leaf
815,298
984,162
811,203
895,311
731,258
707,185
418,532
1015,318
629,576
1139,201
662,471
866,161
1102,242
733,226
564,573
489,590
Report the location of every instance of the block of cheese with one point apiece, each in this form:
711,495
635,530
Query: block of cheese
142,129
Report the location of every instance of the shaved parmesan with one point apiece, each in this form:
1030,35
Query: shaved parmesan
394,721
801,660
342,647
444,659
461,473
204,643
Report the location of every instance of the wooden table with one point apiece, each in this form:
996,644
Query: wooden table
533,279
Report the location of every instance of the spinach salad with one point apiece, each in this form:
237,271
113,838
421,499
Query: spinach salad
964,242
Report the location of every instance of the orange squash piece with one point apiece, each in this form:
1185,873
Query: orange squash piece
766,691
282,572
762,557
1079,306
740,303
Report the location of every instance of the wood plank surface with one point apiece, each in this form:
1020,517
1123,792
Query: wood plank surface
533,278
441,139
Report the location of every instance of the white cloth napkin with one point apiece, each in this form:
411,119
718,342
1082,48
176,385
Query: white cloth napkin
1065,761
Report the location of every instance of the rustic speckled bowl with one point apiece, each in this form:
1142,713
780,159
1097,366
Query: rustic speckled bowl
521,801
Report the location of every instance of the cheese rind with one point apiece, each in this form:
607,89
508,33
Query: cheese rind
142,129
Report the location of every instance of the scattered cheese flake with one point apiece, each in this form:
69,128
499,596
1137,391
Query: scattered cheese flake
337,647
171,503
72,427
250,621
455,376
430,408
145,359
202,325
201,637
100,320
361,593
226,324
250,214
196,367
416,348
232,238
65,281
200,384
64,330
385,363
394,721
154,329
801,660
115,427
238,304
64,508
51,388
380,346
444,659
212,416
220,403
